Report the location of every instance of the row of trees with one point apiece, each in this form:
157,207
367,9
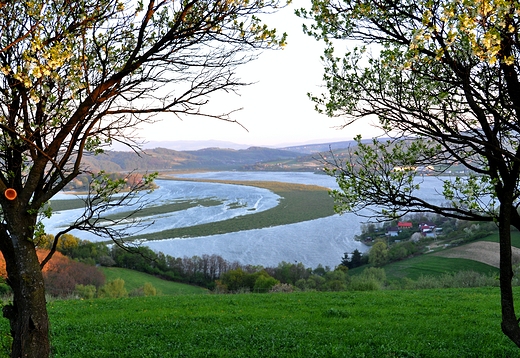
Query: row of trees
210,271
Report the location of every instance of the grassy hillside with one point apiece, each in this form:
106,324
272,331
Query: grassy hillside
134,280
425,265
167,159
424,323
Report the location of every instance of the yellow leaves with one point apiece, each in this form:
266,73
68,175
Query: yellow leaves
427,17
509,60
482,27
485,7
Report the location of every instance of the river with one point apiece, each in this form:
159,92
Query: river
321,241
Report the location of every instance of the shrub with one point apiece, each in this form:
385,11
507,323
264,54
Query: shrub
264,283
371,279
375,273
137,292
5,289
282,287
113,289
426,282
149,290
359,283
86,291
459,279
106,261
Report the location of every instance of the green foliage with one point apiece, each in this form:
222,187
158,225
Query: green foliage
5,289
134,280
356,259
238,280
86,291
371,279
146,290
113,289
378,254
149,290
264,283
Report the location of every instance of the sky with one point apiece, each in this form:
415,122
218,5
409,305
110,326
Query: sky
276,110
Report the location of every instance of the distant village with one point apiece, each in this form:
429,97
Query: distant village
424,229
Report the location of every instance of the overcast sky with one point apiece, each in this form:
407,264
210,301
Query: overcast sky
277,111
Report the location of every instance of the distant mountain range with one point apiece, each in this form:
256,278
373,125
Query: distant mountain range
323,147
301,157
168,159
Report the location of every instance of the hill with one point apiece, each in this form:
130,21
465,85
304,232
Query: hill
168,159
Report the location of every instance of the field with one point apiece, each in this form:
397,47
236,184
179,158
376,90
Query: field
423,323
134,280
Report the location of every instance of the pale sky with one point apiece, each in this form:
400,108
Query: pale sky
277,111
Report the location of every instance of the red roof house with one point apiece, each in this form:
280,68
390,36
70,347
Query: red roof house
404,225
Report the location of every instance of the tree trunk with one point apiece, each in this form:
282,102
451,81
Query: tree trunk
28,312
509,321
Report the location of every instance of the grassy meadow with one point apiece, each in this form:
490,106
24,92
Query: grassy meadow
134,280
422,323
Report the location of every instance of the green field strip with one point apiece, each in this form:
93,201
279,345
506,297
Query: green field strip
134,279
420,323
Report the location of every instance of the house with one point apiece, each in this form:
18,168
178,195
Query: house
392,231
404,225
427,230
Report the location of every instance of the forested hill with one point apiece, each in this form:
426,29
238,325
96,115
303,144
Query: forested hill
167,159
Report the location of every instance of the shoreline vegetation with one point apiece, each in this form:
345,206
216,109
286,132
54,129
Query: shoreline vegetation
298,203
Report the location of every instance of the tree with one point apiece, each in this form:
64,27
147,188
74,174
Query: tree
442,77
378,254
357,259
77,76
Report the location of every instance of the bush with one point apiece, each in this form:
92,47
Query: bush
264,283
106,261
359,283
282,287
459,279
62,275
371,279
86,291
5,289
113,289
149,290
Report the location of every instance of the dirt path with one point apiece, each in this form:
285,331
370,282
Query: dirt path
482,251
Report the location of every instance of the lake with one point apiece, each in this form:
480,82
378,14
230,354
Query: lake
321,241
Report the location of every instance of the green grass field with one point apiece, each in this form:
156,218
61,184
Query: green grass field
423,323
134,280
429,265
515,238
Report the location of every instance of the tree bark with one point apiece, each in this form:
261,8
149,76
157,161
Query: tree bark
28,312
509,321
